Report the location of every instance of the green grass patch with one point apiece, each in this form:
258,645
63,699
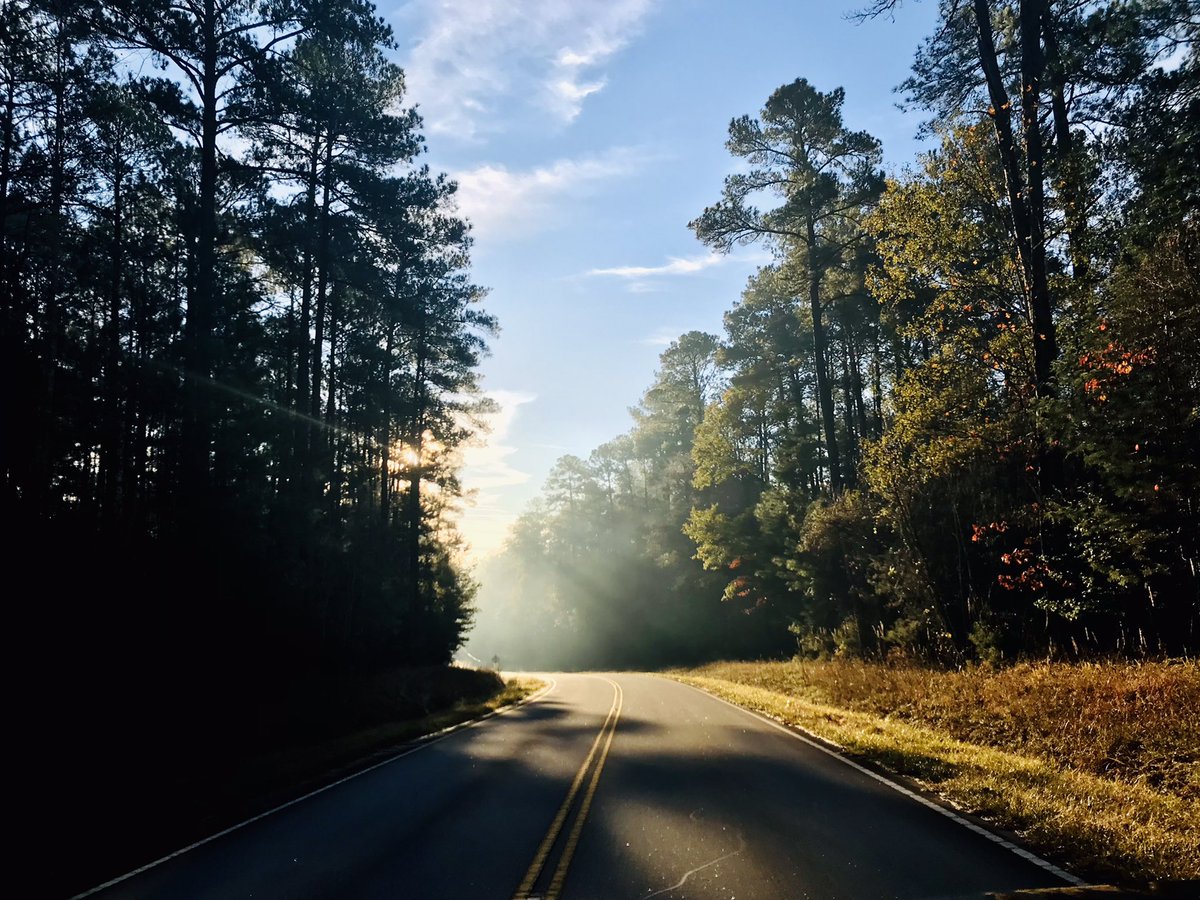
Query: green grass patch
1094,766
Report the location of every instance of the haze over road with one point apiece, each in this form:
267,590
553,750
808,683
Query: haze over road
607,786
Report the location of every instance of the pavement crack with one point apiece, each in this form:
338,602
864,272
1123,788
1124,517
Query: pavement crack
688,874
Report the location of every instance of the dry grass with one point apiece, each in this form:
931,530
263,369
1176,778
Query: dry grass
1098,766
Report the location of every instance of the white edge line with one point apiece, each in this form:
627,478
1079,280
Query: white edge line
796,732
426,741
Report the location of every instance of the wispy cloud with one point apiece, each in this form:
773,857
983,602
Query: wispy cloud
473,58
678,265
503,203
675,266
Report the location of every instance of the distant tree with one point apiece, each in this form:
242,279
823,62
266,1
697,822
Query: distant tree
825,176
599,572
671,409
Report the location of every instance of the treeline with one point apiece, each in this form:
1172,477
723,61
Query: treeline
958,417
598,572
239,341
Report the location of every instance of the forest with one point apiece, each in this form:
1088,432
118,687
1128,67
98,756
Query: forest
955,419
241,339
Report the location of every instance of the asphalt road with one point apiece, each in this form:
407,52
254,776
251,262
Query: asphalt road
608,786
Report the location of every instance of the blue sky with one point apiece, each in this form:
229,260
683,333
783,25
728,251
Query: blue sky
585,135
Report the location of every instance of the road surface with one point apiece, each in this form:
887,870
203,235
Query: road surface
606,787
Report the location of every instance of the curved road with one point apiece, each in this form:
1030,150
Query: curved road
607,786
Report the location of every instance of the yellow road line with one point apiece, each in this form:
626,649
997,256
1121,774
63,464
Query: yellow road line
560,818
564,862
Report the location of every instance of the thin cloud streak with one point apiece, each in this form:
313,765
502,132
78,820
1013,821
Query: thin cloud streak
677,265
504,204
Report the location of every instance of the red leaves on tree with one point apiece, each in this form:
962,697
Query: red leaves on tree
980,532
1031,573
1110,363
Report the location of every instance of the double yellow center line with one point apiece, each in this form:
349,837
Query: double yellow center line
595,764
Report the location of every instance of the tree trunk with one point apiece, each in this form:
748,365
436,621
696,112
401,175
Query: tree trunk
1045,340
323,239
1071,190
820,353
314,474
877,385
7,144
385,468
303,348
856,391
53,325
110,451
418,439
1000,111
198,346
852,436
330,443
1026,195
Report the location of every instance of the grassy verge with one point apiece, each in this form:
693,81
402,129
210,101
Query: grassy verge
1095,766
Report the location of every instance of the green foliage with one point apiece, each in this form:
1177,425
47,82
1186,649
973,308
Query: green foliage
1008,502
1132,424
833,569
801,152
824,177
